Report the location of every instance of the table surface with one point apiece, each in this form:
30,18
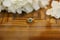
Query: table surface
16,27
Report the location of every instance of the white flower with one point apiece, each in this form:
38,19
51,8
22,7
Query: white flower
55,10
17,6
35,4
22,5
27,8
1,7
55,4
44,2
49,11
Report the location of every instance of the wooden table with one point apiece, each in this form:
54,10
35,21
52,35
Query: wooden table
16,27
